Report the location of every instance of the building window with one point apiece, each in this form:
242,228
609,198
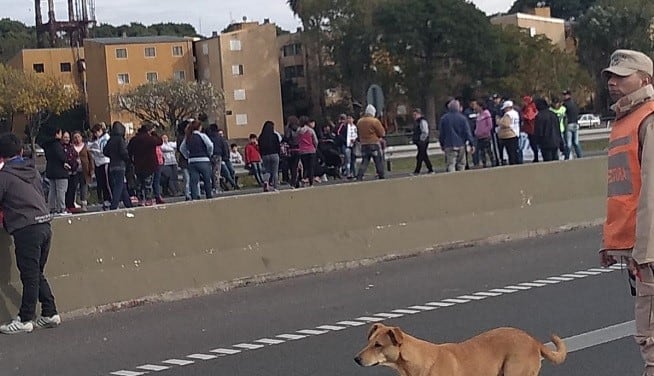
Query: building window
293,49
235,45
237,70
65,67
150,52
239,95
241,119
180,75
293,71
121,53
152,76
38,68
178,51
123,78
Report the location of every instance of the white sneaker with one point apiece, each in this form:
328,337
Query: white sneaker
17,327
47,322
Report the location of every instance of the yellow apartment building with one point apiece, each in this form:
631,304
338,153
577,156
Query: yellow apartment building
244,63
116,65
63,63
538,23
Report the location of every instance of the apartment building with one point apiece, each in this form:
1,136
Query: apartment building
539,22
292,61
63,63
116,65
243,62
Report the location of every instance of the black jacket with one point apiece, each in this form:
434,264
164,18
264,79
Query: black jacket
116,149
21,197
548,129
55,159
269,144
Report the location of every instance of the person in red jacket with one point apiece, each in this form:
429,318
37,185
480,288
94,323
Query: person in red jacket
529,113
253,159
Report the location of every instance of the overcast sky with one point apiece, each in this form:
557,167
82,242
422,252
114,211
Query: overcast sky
205,15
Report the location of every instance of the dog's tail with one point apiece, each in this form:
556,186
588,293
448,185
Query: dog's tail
556,357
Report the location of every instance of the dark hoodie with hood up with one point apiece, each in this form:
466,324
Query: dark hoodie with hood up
21,197
116,149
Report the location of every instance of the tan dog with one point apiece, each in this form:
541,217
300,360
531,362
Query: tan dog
498,352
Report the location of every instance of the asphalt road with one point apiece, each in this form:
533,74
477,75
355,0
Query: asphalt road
262,330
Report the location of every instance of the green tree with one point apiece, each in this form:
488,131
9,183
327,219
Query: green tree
538,68
15,36
167,102
441,46
611,25
565,9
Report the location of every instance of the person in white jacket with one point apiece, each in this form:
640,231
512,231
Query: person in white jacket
95,146
169,172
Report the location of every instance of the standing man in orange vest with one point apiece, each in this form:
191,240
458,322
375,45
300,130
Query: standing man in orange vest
630,216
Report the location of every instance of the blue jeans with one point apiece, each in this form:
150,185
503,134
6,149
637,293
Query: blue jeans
349,169
187,183
197,171
227,171
119,189
572,141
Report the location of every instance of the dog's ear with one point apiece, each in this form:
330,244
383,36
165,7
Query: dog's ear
373,329
396,336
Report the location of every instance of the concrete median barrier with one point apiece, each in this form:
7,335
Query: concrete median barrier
115,259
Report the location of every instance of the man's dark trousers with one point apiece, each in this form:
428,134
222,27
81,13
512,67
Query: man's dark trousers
32,245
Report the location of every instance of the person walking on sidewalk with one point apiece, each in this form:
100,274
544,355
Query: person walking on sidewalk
421,140
630,217
27,219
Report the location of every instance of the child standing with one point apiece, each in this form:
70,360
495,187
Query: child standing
253,159
27,219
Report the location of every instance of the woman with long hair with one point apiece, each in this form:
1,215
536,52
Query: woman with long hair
197,148
82,176
269,147
308,143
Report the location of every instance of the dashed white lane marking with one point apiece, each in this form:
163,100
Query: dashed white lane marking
504,291
152,367
389,315
248,346
519,287
202,356
350,323
471,297
405,311
292,337
312,332
269,341
456,301
491,294
225,351
331,327
423,308
178,362
578,342
370,319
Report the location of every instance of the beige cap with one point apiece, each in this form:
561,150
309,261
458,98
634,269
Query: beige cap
627,62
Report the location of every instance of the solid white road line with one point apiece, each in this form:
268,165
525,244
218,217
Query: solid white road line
599,336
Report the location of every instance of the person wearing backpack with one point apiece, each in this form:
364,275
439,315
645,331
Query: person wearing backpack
292,136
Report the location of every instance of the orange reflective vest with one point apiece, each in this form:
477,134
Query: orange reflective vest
624,180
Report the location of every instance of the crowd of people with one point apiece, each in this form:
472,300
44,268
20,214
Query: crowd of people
496,131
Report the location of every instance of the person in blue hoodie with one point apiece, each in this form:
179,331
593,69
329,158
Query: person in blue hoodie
454,134
27,219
